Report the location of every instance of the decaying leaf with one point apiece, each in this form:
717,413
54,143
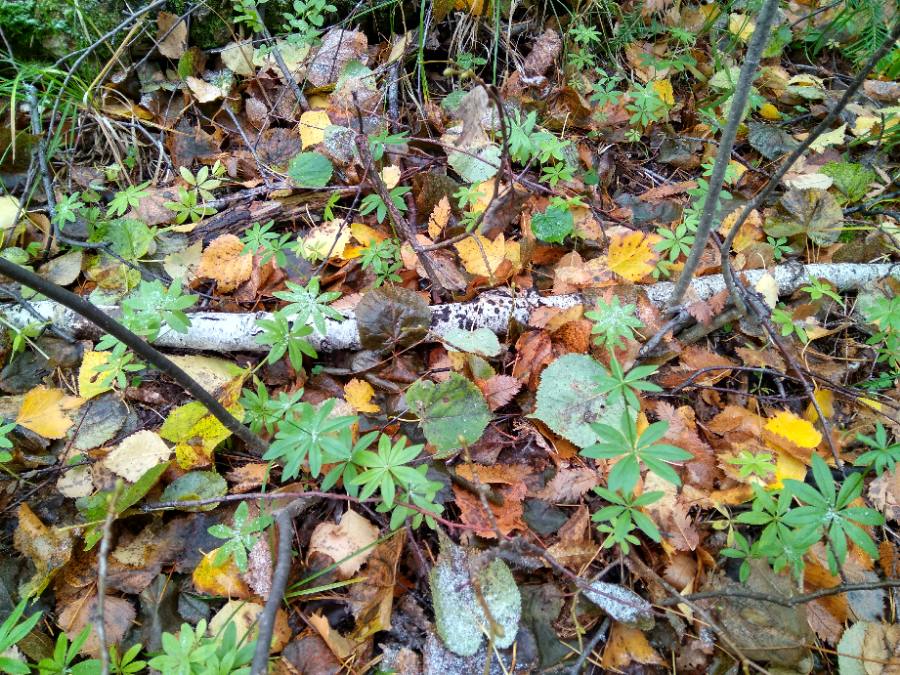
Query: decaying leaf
49,549
137,454
348,543
633,256
225,262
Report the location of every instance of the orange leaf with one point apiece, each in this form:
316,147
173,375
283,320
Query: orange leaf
438,219
224,262
632,256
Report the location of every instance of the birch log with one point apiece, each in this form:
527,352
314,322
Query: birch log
223,332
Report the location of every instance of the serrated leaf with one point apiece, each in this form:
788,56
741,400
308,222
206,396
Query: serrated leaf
633,256
851,179
815,211
476,165
392,316
310,170
452,413
770,141
552,225
196,485
479,341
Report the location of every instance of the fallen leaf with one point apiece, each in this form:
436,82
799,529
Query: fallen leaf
340,542
499,390
245,616
358,393
118,615
628,645
439,218
172,35
795,430
224,262
42,411
223,580
312,127
633,255
89,380
391,176
137,454
48,549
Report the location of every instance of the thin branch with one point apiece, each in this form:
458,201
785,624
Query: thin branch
102,560
738,105
792,601
137,344
588,649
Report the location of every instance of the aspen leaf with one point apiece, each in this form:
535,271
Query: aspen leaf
358,393
769,112
89,379
437,221
42,411
825,399
787,467
312,127
10,210
326,240
245,616
482,263
633,256
225,263
663,88
223,580
391,176
626,646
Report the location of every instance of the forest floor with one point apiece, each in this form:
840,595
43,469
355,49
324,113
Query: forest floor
452,339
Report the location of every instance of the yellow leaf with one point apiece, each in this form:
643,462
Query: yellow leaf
89,380
312,127
874,405
326,241
42,411
48,548
391,176
476,7
224,261
826,140
741,26
664,90
359,393
10,212
768,288
223,580
787,466
825,399
795,429
137,454
483,260
366,235
632,256
437,221
769,112
196,433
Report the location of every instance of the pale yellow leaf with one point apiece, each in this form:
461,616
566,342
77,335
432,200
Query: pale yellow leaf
312,127
358,393
10,211
439,217
391,176
224,261
326,241
741,26
829,139
481,260
349,543
137,454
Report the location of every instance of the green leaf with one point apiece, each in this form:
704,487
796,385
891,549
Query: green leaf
552,225
196,485
476,165
452,413
310,170
851,179
569,399
479,341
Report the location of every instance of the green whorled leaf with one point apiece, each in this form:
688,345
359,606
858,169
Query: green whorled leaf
568,398
392,316
770,141
452,413
459,617
552,225
310,170
817,212
851,179
479,341
196,485
622,604
476,164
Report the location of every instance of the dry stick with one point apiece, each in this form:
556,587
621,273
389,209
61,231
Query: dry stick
362,145
137,344
786,602
738,104
769,187
284,518
648,574
102,560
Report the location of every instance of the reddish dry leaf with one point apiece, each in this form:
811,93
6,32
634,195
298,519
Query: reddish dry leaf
507,517
534,351
575,546
498,474
499,390
681,570
248,476
666,190
568,485
575,336
117,617
823,622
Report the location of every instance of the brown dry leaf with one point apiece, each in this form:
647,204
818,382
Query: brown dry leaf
248,477
358,393
569,484
507,517
118,614
172,35
632,256
737,423
574,336
543,53
664,191
534,351
627,645
439,218
42,411
573,274
575,546
372,601
671,515
224,262
340,542
340,646
823,622
48,549
706,310
761,358
222,580
496,474
259,568
681,570
499,390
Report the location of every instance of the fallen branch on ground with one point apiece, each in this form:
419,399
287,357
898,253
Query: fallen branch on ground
223,332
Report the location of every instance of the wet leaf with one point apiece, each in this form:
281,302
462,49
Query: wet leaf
552,225
452,413
633,255
310,170
620,603
390,317
48,549
193,486
43,413
137,454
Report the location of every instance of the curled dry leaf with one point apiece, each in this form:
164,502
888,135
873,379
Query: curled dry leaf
224,262
348,543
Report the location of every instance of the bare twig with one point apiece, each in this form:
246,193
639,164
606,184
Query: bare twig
102,560
588,649
738,105
792,601
284,519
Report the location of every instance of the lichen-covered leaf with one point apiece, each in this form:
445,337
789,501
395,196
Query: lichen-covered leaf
622,604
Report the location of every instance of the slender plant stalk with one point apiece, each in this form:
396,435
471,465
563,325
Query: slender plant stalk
137,344
738,104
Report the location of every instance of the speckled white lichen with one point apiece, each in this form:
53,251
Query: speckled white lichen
622,604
